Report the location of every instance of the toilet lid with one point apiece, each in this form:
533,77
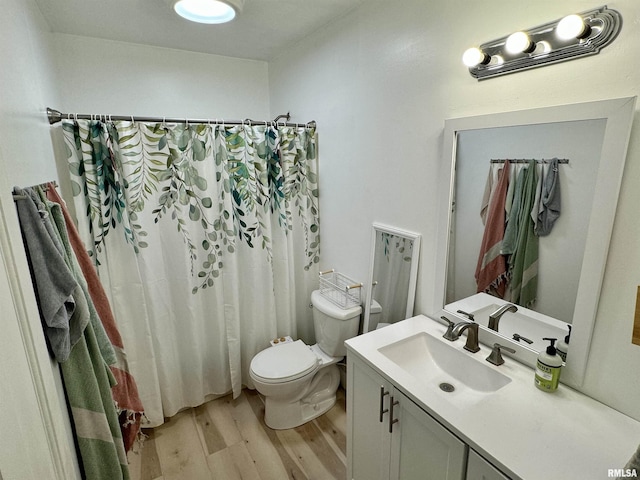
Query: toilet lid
284,362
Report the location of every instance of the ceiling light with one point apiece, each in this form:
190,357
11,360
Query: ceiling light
208,11
572,26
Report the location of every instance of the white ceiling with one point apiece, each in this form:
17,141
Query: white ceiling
262,31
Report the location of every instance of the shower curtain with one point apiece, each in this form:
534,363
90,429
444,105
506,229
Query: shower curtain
206,238
392,272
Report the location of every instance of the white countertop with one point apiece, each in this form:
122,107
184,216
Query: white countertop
526,433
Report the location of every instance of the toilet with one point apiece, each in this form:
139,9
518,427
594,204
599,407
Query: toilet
298,381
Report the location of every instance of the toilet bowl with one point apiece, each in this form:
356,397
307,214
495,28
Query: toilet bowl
298,381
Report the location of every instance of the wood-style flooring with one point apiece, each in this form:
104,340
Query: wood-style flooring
227,439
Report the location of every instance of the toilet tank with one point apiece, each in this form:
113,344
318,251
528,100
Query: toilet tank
333,325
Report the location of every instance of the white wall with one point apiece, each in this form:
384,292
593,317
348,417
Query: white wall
382,80
33,425
103,76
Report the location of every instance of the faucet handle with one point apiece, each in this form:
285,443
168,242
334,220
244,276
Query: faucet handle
467,314
448,335
495,356
449,322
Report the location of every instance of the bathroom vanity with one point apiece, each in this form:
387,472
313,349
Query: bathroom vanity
419,406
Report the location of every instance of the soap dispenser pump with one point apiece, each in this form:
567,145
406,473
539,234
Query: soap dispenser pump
563,346
548,368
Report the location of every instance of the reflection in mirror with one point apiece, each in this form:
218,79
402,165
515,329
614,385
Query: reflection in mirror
555,265
571,260
392,276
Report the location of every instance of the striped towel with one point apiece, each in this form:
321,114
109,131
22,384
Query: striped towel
125,392
523,264
87,383
491,270
85,374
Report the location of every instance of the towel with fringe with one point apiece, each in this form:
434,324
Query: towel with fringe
521,242
491,270
86,376
125,392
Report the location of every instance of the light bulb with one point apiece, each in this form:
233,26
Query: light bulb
473,57
572,26
205,11
519,42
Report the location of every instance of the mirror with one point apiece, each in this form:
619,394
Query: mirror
392,276
593,137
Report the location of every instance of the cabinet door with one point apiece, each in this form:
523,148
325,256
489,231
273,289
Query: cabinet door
421,447
479,469
368,438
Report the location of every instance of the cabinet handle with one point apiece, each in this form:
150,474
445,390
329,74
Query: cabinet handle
382,395
391,419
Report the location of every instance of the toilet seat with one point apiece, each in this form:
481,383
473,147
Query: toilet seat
284,363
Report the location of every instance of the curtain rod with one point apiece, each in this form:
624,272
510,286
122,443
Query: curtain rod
55,116
527,160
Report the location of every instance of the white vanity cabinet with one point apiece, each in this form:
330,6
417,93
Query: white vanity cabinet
390,437
479,469
468,434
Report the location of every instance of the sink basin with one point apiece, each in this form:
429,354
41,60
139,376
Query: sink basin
430,359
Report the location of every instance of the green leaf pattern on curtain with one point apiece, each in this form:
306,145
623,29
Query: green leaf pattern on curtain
218,184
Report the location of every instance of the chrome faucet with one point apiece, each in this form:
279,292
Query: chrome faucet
494,318
454,332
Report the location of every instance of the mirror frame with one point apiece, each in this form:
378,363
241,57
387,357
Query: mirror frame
413,272
618,114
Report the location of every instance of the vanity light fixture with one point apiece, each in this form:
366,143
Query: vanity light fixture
208,11
563,39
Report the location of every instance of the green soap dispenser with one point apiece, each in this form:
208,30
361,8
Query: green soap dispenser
548,368
563,346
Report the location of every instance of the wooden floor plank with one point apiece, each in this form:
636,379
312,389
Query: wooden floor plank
222,466
211,437
291,464
333,423
181,454
233,463
299,449
321,447
227,439
135,461
219,411
244,462
150,468
257,436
